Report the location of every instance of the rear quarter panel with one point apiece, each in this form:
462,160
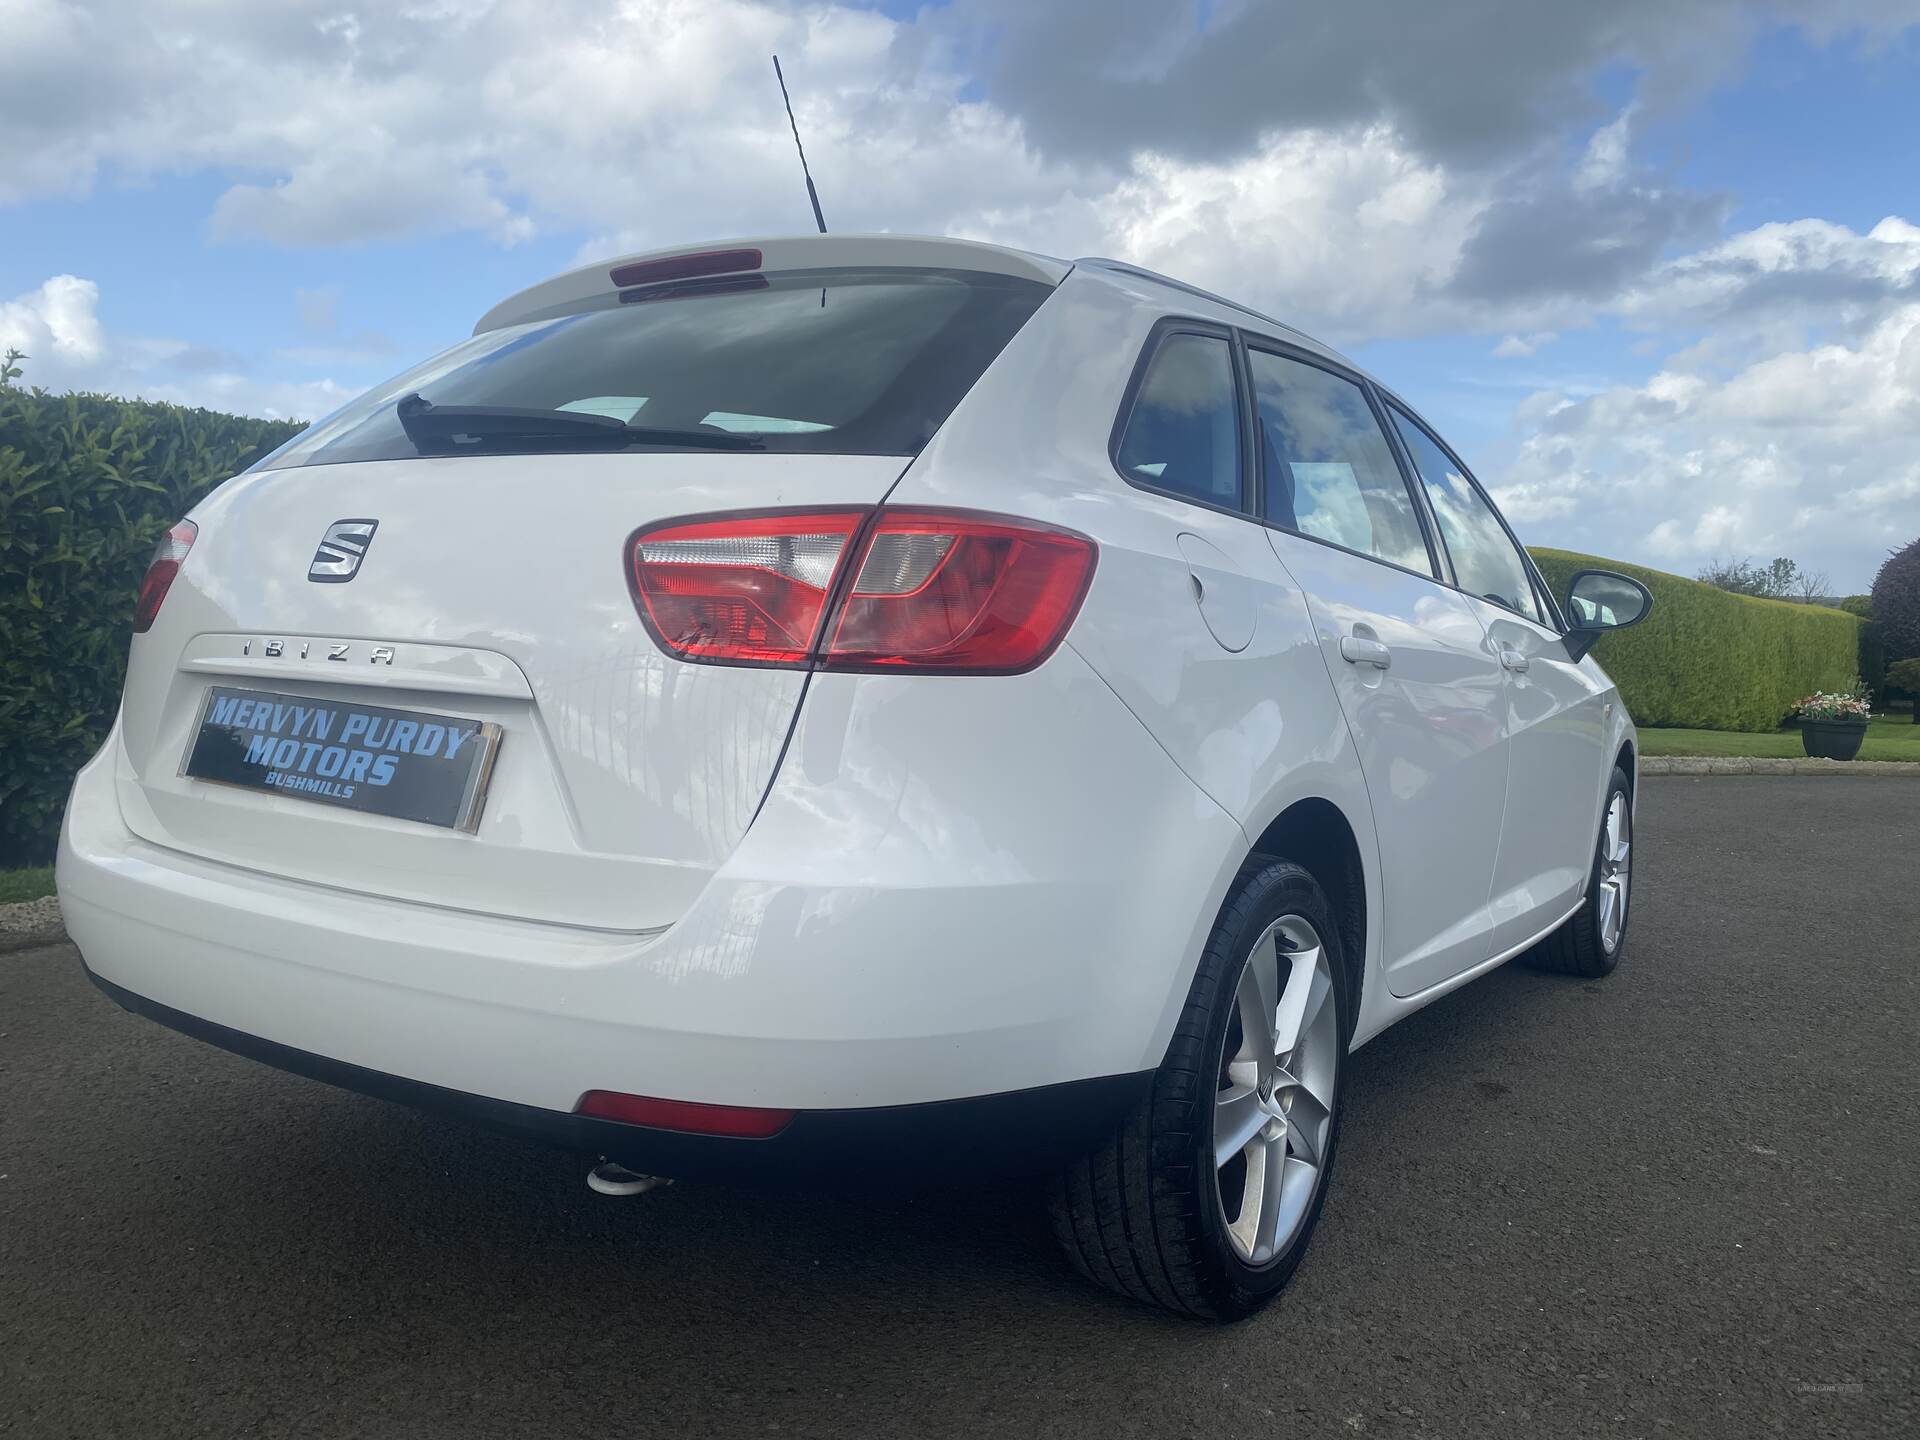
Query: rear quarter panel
1256,729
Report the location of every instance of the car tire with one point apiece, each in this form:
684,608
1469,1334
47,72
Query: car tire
1591,942
1152,1212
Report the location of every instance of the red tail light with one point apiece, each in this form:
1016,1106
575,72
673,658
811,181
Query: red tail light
932,591
167,558
742,1122
949,592
741,589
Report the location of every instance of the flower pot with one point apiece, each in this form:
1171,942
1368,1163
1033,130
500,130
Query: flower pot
1832,739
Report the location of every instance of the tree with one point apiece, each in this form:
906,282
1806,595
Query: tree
1809,585
1873,645
1742,577
1776,581
1896,602
1906,676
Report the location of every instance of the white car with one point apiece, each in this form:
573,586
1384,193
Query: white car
842,702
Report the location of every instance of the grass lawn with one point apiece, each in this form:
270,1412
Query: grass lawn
1889,737
28,884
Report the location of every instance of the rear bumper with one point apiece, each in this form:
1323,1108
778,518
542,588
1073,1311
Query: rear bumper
1025,1131
892,932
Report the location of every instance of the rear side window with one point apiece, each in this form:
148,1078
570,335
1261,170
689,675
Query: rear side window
1486,562
829,361
1328,470
1183,432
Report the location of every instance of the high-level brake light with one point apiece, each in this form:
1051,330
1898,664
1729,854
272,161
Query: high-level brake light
685,267
931,591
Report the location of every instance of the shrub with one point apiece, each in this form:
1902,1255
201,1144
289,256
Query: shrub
1712,660
1896,602
1905,675
1873,644
87,484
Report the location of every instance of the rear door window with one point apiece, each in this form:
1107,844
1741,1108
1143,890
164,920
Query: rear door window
845,362
1326,467
1183,431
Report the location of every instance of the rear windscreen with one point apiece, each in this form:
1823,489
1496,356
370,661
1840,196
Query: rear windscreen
847,362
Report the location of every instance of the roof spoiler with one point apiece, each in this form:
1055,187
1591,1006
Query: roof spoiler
791,252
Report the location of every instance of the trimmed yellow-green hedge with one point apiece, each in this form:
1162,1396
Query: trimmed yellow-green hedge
1711,660
87,484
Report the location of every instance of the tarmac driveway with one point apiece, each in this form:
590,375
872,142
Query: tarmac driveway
1678,1202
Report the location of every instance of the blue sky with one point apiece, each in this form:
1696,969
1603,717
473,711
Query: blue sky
1654,269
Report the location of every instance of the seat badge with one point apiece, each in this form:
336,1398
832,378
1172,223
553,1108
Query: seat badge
341,550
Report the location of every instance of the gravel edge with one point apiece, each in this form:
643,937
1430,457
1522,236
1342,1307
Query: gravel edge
30,923
1741,765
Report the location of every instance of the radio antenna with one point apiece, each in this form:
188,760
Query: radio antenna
812,194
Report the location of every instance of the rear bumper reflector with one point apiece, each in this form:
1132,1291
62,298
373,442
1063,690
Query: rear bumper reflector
741,1122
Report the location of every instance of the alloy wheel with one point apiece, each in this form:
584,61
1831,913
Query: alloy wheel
1273,1112
1616,852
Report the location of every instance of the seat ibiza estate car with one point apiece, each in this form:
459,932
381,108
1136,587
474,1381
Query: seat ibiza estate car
844,703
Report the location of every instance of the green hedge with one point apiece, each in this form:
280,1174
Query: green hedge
87,485
1873,644
1710,660
1904,675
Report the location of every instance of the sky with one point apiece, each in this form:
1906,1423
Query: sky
1652,267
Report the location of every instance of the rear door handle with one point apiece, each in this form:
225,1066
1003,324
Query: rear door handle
1513,659
1357,651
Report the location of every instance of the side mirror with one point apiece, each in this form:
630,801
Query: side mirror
1599,601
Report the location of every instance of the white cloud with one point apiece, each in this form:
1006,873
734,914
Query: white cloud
1605,163
1350,234
57,321
1805,453
353,195
656,121
1781,279
1518,347
58,326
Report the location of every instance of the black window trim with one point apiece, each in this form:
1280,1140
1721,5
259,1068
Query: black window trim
1163,329
1541,595
1380,400
1441,569
1422,501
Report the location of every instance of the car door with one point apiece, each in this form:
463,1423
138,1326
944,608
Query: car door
1410,662
1555,710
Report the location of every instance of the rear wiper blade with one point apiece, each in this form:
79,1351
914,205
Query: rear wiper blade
702,439
451,429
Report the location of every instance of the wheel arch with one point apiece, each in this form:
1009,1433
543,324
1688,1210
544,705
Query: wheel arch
1315,834
1626,757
